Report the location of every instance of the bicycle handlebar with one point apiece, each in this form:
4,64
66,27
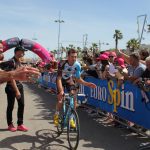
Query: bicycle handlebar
79,94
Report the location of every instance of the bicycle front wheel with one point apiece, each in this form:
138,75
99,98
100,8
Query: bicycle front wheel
73,132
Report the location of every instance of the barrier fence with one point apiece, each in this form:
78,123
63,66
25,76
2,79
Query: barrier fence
125,102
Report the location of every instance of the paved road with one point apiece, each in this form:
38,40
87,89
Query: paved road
39,109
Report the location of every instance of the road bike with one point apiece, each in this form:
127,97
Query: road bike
68,113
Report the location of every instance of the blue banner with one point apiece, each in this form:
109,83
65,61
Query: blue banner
126,101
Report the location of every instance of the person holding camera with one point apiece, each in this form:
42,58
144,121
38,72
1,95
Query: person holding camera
14,89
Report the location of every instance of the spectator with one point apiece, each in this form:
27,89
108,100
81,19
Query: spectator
143,54
135,69
112,69
14,89
104,64
146,74
93,70
121,68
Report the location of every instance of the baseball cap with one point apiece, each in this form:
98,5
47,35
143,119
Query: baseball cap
106,53
20,48
102,57
112,54
121,62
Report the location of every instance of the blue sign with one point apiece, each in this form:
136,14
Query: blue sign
126,101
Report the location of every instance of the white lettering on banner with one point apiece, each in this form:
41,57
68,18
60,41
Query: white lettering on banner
127,100
99,93
81,89
120,98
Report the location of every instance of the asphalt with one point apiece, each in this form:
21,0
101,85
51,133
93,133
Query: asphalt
42,134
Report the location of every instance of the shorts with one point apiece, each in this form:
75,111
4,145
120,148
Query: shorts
71,87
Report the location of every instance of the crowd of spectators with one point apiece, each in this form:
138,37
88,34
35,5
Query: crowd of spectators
117,65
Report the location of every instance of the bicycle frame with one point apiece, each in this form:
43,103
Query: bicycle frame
68,114
70,106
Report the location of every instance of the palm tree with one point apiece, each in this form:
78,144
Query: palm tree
117,36
54,52
133,44
66,50
71,46
62,51
79,51
94,48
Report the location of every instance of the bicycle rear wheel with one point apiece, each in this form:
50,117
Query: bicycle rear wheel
73,134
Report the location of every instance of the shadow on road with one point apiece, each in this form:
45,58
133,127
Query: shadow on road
44,101
43,138
93,133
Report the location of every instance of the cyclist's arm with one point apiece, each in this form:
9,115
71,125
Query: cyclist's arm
81,81
89,84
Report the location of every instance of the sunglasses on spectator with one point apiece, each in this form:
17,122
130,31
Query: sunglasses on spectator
111,56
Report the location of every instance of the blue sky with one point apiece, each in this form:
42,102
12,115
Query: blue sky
97,18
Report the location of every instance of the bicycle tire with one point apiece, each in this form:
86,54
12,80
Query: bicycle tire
73,114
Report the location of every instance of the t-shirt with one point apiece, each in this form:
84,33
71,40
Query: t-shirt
16,64
112,68
136,72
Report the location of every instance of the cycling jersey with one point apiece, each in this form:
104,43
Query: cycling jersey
69,73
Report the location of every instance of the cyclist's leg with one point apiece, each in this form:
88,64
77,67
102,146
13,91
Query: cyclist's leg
59,103
73,91
58,108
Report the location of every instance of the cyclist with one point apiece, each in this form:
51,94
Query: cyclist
68,76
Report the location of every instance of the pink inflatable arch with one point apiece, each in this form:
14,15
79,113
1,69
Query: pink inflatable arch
29,45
